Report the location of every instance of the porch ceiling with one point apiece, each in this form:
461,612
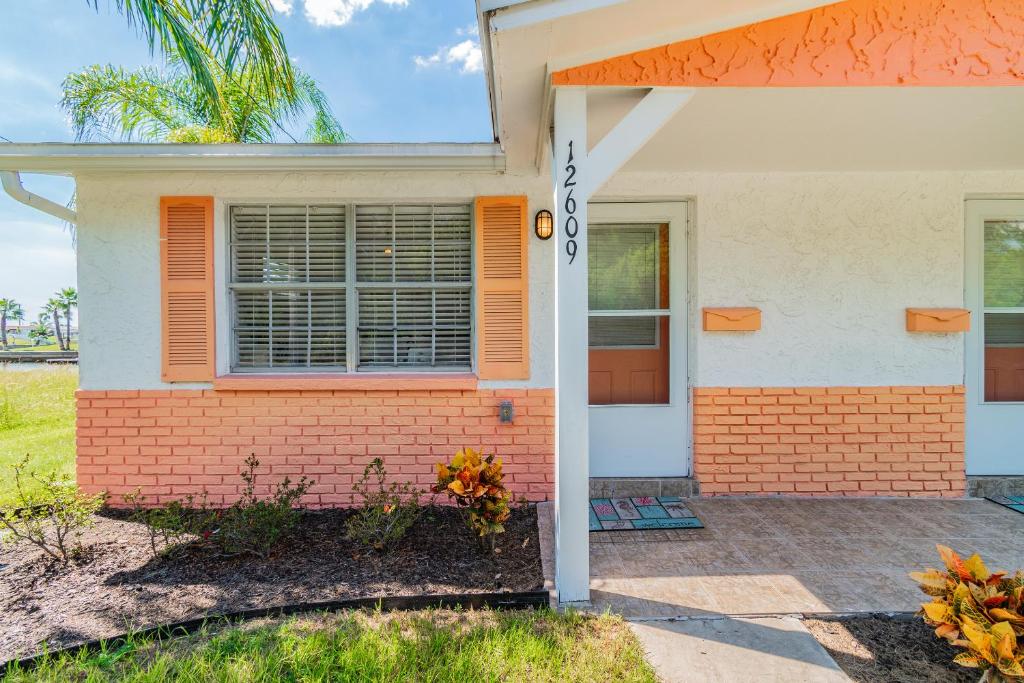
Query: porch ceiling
827,129
529,40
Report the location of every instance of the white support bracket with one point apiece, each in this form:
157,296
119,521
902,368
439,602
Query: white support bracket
578,173
633,132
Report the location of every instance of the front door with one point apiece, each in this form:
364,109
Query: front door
639,421
995,344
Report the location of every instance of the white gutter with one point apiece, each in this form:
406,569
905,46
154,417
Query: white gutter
11,181
69,158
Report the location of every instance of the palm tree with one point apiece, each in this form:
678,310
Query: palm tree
41,331
238,35
68,298
9,310
53,308
165,105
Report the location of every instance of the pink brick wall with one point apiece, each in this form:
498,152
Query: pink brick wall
843,441
171,443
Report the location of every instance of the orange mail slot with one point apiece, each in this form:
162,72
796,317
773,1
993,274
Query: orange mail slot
732,319
938,320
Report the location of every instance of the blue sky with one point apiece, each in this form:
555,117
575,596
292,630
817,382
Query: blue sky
394,70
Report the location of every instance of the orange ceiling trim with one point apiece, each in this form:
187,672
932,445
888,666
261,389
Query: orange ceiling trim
851,43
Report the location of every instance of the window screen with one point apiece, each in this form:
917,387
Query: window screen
405,302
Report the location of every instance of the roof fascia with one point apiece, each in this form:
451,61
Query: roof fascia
73,157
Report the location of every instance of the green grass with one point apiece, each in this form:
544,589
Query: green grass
360,646
37,417
27,347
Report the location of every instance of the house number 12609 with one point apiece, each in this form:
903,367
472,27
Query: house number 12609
572,226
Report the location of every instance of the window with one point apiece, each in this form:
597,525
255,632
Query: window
1004,311
357,288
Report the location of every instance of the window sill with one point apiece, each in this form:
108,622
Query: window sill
338,382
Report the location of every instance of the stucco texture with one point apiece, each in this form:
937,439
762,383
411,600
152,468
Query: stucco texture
118,256
832,260
857,42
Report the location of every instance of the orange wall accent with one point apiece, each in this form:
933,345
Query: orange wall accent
1004,373
172,443
839,441
852,43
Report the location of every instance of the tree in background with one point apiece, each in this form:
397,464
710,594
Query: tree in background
9,310
210,37
40,332
68,298
166,105
53,308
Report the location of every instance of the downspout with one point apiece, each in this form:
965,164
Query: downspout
11,181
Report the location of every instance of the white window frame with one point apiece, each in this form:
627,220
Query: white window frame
351,288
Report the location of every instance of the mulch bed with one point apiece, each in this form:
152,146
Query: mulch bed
119,586
881,649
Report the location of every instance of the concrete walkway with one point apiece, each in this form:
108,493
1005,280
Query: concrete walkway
728,650
719,603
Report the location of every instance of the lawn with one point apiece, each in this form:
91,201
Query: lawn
438,645
37,417
22,346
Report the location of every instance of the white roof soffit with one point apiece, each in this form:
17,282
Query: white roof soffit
68,158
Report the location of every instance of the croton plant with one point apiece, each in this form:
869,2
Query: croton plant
475,483
979,611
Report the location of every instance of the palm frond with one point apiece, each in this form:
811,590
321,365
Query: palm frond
108,101
240,35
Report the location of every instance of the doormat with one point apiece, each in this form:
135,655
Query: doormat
645,512
1012,502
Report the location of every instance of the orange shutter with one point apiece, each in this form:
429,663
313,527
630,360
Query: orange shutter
186,274
502,288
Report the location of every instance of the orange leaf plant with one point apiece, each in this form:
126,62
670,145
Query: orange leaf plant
475,484
979,611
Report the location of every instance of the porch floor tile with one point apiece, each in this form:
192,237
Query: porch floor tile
785,556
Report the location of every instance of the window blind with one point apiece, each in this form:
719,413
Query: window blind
405,304
413,284
623,274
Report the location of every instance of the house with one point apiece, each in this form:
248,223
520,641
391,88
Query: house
787,258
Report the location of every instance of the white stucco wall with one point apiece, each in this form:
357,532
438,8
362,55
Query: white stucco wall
119,263
832,259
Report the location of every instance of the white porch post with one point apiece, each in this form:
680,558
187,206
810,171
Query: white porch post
572,473
578,174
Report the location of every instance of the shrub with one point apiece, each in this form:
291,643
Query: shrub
475,483
979,611
387,512
253,526
50,515
174,523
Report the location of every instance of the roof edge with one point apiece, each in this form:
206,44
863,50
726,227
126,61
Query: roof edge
69,158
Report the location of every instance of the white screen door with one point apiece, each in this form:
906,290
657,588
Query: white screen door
639,420
995,343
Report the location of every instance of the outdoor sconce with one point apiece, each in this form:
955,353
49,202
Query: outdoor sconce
544,224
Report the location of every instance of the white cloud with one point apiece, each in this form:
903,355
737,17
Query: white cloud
465,55
335,12
282,6
469,30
